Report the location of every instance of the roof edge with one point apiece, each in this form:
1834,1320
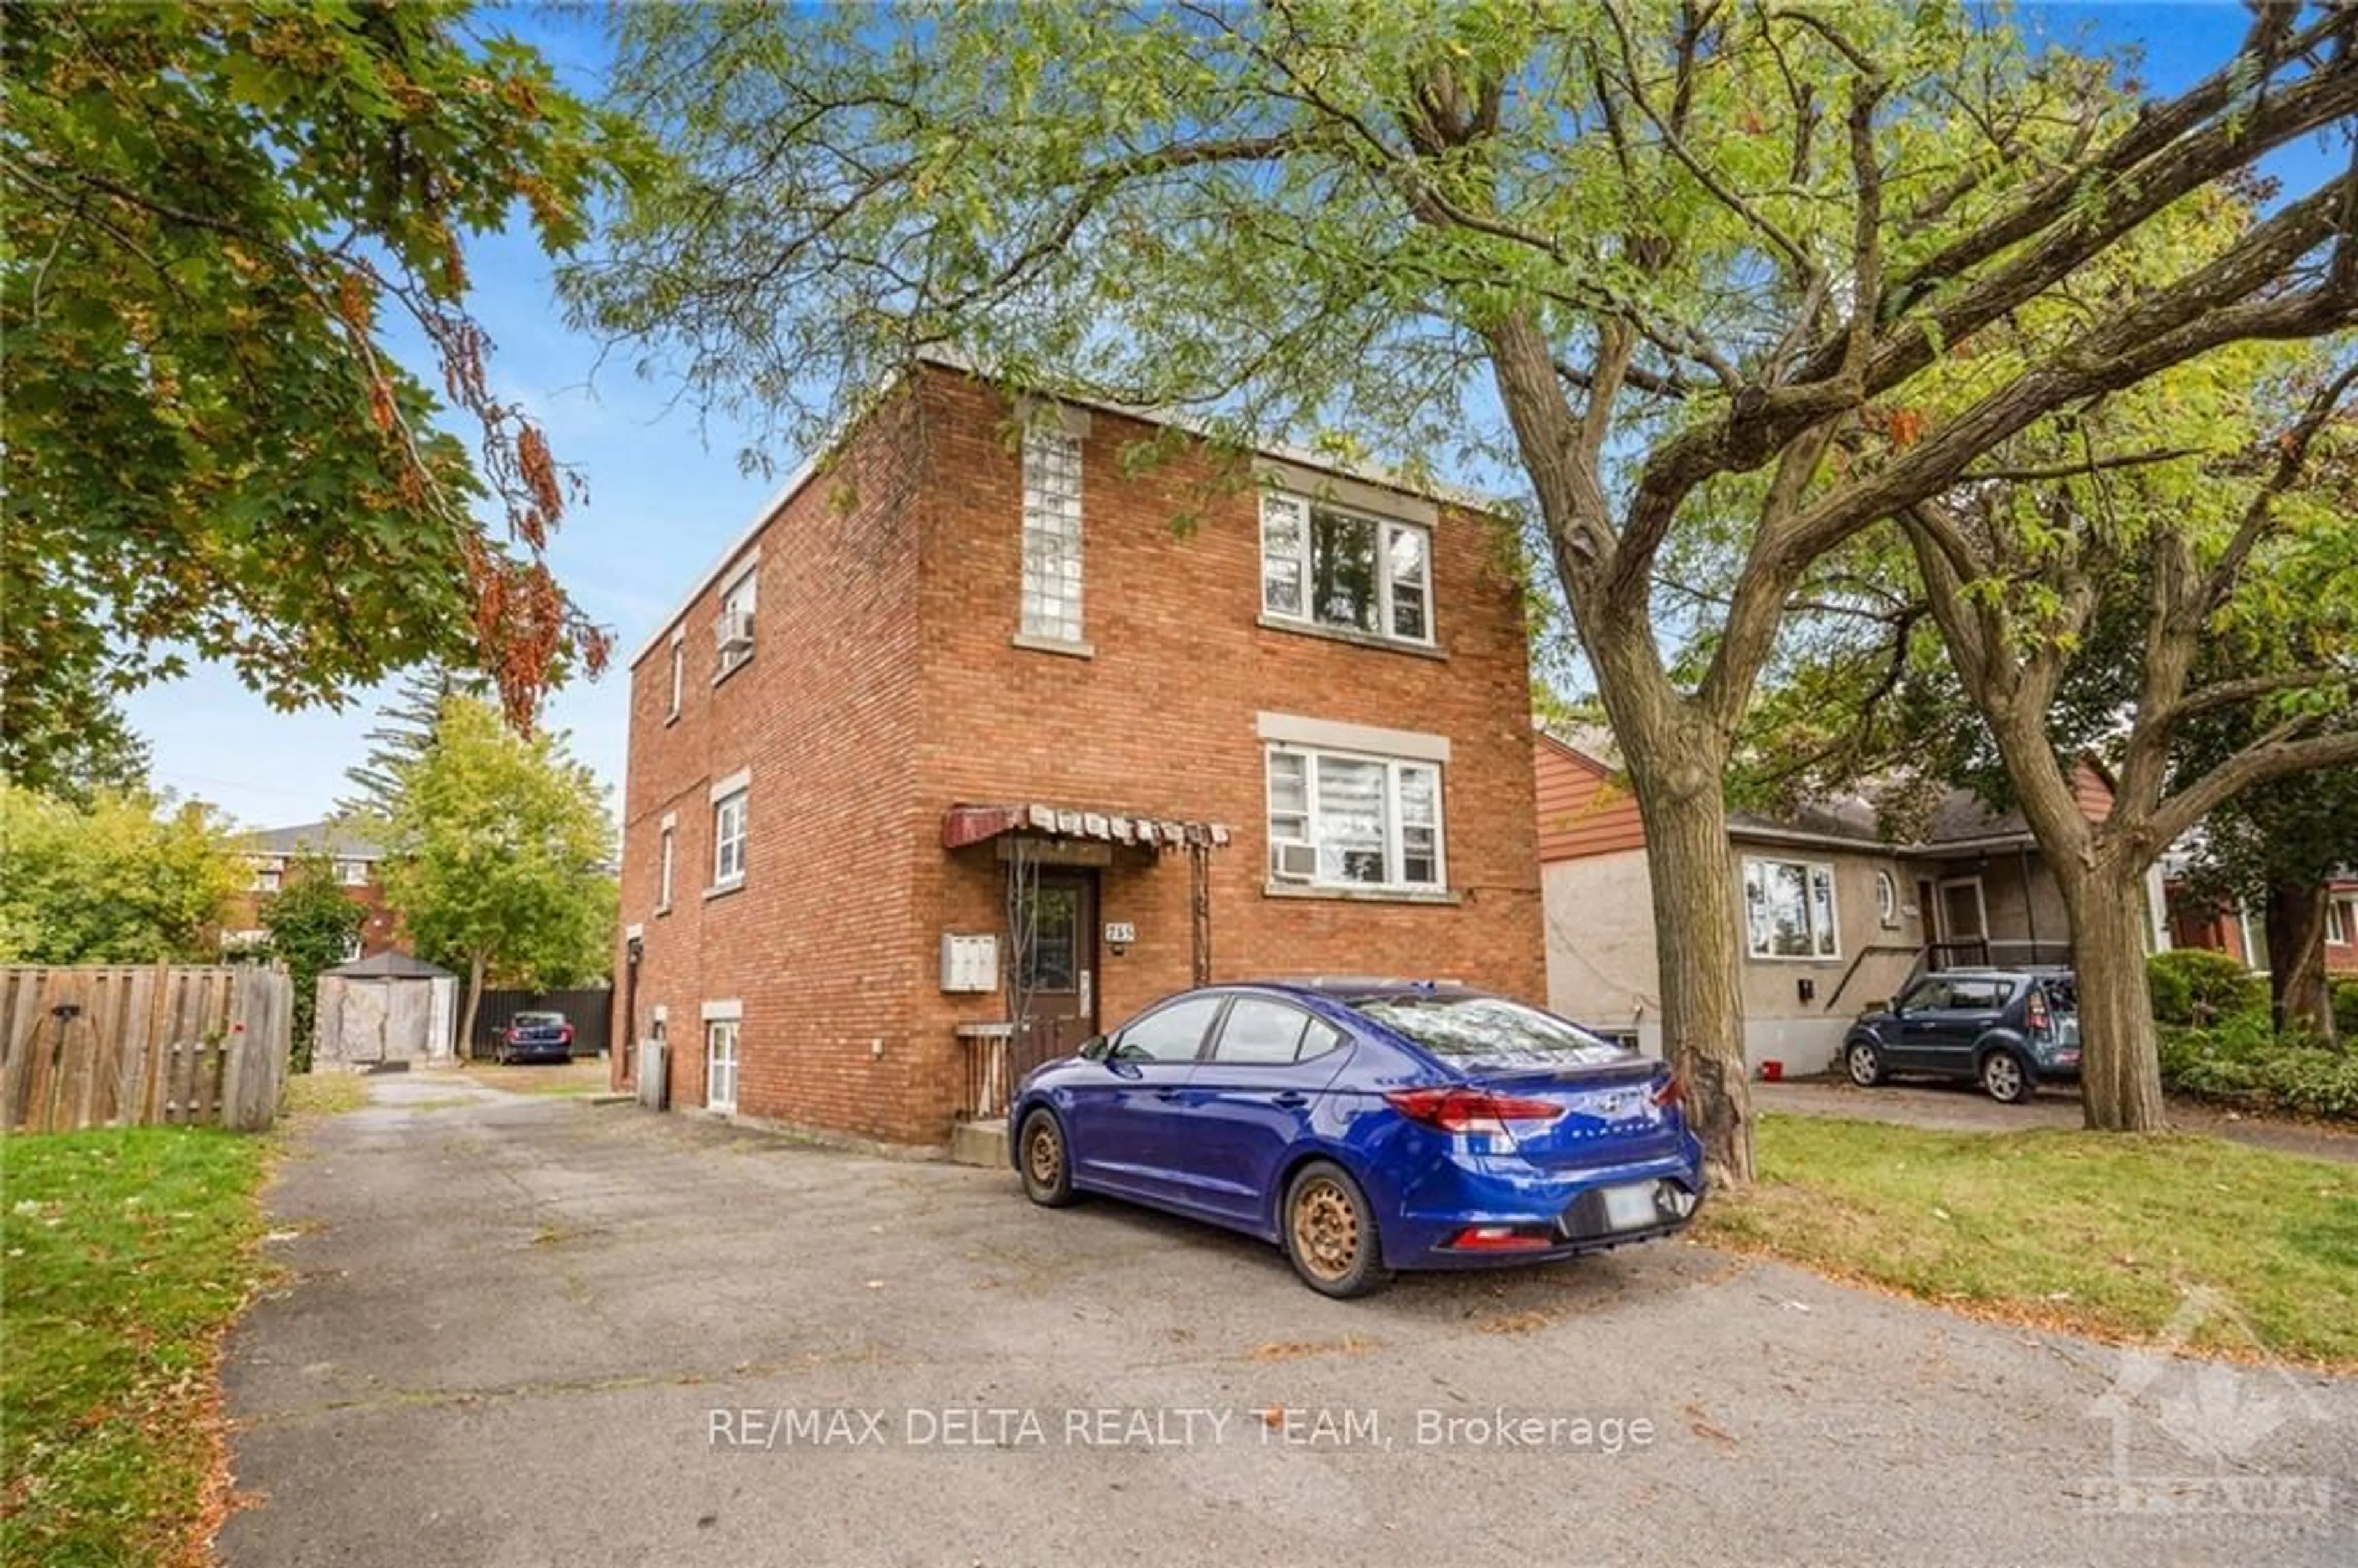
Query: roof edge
939,359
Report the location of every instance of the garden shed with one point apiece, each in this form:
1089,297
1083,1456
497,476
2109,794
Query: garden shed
388,1008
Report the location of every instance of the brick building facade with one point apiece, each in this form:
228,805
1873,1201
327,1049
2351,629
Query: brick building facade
968,680
354,861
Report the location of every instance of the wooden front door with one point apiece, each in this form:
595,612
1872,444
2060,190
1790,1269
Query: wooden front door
1963,915
1057,938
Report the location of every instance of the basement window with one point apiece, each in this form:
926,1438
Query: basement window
721,1064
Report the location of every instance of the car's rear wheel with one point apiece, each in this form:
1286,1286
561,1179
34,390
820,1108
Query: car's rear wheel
1046,1163
1864,1063
1330,1233
2005,1079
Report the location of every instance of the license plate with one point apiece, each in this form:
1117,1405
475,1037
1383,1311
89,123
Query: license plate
1630,1208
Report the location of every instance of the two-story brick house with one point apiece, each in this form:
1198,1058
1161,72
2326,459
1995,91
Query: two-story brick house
355,861
963,729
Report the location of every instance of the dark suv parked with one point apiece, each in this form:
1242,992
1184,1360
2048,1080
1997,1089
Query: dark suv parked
2007,1029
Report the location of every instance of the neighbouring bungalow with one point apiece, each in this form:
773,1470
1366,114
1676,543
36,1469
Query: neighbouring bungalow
1835,916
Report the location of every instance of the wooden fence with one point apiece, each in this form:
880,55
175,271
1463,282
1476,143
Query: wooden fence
98,1045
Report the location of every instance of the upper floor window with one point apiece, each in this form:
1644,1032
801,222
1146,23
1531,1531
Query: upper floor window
1052,535
678,672
2337,921
267,877
1789,909
732,629
1341,820
352,873
669,844
729,838
1331,568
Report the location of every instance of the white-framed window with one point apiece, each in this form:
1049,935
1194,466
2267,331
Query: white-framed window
667,854
721,1064
267,877
352,950
1052,534
729,838
352,873
1789,909
1886,899
1342,820
2337,922
732,629
678,672
659,1025
1326,567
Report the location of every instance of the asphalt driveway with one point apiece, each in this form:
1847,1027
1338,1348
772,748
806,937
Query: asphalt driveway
535,1331
1964,1107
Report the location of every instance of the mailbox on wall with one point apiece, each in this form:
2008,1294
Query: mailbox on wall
969,963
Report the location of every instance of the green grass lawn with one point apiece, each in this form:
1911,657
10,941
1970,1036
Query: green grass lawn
123,1254
2104,1235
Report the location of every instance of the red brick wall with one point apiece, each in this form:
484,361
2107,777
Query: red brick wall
2342,957
813,946
381,928
885,689
1162,721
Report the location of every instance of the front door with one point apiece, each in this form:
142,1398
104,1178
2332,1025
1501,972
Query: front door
1964,918
1056,937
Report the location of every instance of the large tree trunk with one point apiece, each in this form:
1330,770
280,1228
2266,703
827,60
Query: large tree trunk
2120,1060
1696,922
474,998
2298,993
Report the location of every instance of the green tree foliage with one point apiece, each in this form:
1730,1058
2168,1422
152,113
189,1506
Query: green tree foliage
128,879
312,926
2167,578
1662,267
405,730
74,745
221,220
497,855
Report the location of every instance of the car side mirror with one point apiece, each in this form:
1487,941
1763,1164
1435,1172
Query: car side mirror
1890,1005
1094,1048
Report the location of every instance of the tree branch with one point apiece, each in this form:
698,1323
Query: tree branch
2275,755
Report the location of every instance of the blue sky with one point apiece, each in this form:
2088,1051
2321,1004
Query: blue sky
666,494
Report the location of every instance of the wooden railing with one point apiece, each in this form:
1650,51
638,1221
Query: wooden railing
997,1058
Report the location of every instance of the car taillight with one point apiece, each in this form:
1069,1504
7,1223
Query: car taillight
2035,1013
1671,1091
1469,1111
1499,1239
566,1034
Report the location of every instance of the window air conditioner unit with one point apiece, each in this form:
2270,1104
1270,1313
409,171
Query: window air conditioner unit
734,630
1296,863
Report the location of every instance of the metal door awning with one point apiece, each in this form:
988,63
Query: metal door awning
966,824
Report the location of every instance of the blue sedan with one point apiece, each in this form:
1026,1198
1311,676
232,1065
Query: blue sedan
1367,1126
